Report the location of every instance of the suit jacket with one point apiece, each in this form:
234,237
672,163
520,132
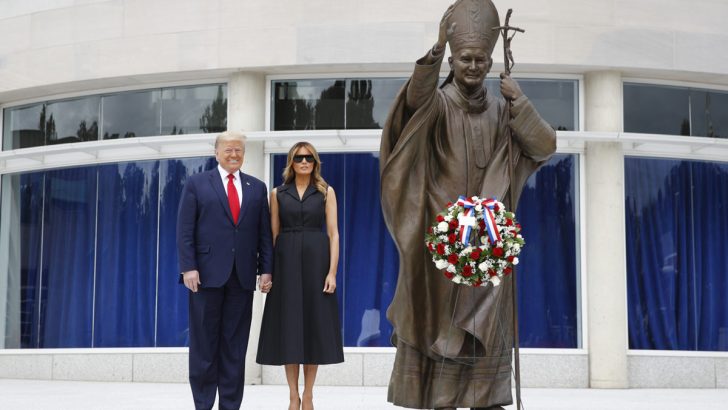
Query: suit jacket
209,241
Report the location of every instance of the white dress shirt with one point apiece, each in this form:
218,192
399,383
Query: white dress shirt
236,181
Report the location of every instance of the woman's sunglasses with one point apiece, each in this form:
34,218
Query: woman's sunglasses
299,158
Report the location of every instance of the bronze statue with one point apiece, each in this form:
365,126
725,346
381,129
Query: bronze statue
453,343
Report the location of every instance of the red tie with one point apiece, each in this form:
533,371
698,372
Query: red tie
233,200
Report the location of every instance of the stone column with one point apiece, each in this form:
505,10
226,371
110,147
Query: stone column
605,272
246,113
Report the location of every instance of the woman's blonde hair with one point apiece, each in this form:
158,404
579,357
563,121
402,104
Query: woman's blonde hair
289,175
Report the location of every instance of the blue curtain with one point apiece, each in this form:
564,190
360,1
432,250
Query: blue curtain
172,313
369,260
547,274
126,257
31,213
676,224
68,258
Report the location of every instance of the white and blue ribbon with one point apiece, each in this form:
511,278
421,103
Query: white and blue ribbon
466,220
490,226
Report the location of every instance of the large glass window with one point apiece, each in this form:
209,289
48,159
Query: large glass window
368,101
658,109
369,260
557,101
74,120
308,105
24,127
194,110
166,111
676,236
131,114
93,260
363,103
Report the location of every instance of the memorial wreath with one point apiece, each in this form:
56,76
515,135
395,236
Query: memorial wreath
475,241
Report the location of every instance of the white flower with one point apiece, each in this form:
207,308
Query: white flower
515,261
457,279
483,266
479,208
495,281
448,218
441,264
516,248
442,226
451,268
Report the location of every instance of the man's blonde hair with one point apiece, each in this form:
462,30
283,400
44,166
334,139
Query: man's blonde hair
231,136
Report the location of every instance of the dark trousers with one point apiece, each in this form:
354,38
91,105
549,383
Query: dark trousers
219,329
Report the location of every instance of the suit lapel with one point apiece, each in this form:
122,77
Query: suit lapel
247,189
219,188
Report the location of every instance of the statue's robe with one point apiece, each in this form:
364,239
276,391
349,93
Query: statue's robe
453,342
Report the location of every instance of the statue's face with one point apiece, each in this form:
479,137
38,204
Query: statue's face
469,66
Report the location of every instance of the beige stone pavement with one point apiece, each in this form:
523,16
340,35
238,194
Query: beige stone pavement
60,395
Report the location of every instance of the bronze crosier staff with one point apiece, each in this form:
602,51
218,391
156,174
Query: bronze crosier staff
508,62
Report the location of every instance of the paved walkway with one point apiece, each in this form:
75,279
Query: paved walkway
61,395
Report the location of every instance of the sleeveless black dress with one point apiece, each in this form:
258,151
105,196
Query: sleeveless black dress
300,322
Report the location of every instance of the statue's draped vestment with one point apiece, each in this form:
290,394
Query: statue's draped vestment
453,342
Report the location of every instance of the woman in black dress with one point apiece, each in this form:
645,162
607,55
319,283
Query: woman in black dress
301,318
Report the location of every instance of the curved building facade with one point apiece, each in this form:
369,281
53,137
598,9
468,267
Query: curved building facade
108,106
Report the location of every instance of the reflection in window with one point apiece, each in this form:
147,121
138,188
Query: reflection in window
709,113
131,114
556,100
319,104
676,235
368,101
72,120
185,110
194,110
652,109
308,105
24,127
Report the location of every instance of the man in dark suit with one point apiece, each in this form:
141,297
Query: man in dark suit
224,241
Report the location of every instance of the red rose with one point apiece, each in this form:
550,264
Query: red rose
452,258
475,254
478,283
449,204
467,271
429,230
507,270
510,258
509,222
440,218
429,247
518,226
496,207
497,252
453,224
448,274
440,248
491,272
481,224
452,238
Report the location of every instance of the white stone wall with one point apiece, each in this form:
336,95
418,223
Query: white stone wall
56,46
